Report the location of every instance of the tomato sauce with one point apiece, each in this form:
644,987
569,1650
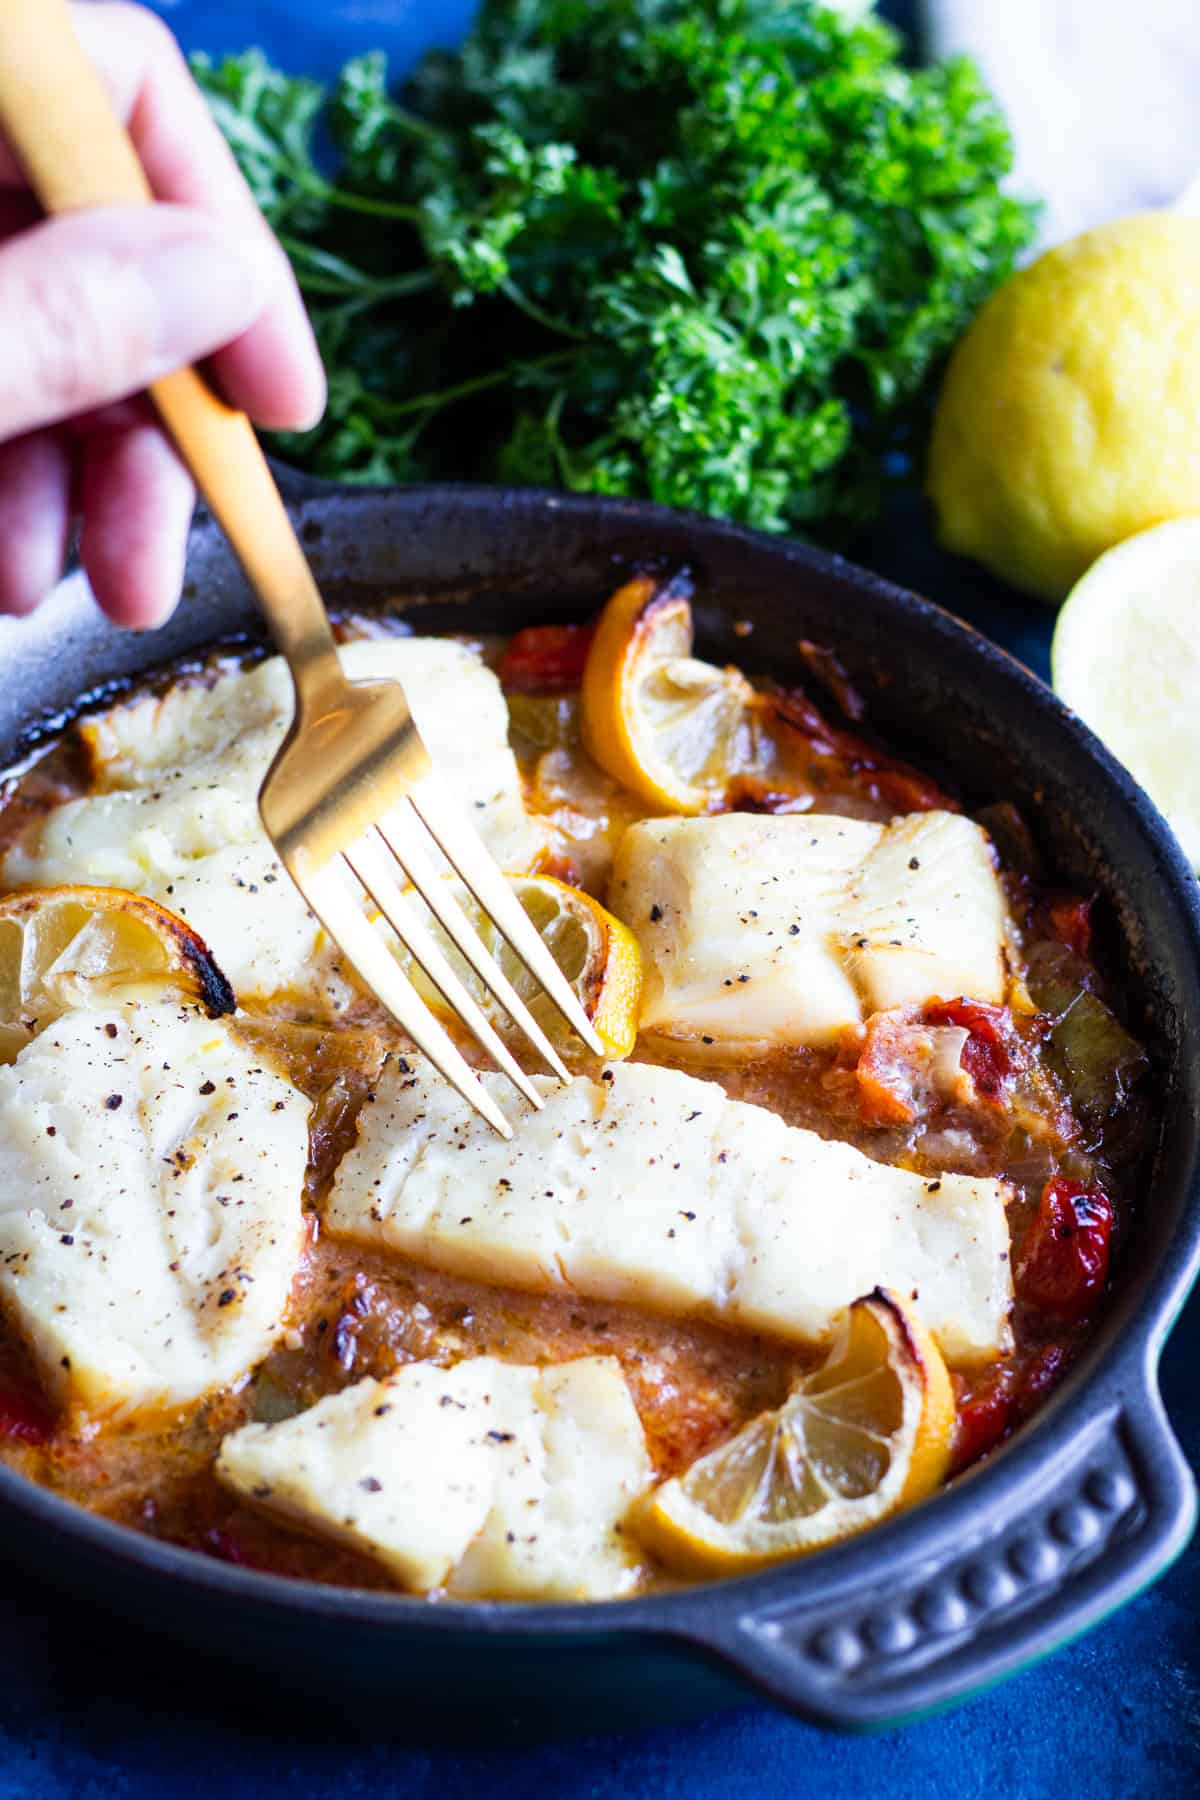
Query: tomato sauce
1050,1095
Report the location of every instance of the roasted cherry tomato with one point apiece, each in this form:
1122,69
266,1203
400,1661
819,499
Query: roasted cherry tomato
1065,1264
1071,922
987,1053
23,1419
545,659
982,1422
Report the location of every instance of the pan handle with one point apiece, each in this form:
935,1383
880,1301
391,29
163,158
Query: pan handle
1102,1517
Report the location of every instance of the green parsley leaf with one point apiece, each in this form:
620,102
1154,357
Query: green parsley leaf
709,251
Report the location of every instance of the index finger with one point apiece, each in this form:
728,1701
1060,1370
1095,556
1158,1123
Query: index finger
273,370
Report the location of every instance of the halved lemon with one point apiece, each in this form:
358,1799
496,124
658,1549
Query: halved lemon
1126,657
64,947
669,727
867,1433
597,953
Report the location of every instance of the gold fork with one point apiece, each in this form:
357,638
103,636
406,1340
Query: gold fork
352,802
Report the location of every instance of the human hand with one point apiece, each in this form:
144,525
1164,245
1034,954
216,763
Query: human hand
95,306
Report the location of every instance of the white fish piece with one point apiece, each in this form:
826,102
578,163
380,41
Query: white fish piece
175,814
151,1177
762,931
489,1478
650,1186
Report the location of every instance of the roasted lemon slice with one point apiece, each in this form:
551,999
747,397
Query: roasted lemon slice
672,729
65,947
596,952
867,1433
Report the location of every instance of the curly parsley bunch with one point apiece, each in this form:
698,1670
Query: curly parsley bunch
705,251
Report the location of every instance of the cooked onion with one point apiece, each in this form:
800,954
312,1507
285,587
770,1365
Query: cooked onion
947,1042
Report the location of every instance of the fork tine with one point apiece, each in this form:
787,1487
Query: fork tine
401,831
372,870
444,820
327,896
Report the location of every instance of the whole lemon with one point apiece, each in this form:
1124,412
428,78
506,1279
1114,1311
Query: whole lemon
1070,414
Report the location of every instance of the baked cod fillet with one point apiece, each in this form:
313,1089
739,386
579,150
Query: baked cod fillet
175,814
488,1478
759,931
151,1173
650,1186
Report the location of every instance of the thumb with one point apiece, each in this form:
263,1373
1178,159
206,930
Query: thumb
96,305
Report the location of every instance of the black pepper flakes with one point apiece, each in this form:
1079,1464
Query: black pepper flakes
227,1297
208,1087
113,1102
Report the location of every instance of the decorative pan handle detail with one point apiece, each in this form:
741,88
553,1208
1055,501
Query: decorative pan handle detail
1114,1509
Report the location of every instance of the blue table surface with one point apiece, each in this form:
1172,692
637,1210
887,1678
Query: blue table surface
1118,1711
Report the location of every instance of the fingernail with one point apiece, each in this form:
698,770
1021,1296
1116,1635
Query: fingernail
204,294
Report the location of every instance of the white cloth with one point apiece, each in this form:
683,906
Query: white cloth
1103,97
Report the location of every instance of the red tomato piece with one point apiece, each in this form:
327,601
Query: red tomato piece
888,1071
545,659
982,1422
991,1024
1071,922
23,1420
987,1053
1065,1264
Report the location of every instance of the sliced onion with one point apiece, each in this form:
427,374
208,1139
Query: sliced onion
948,1042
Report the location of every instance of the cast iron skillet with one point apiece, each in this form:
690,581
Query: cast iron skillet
1087,1505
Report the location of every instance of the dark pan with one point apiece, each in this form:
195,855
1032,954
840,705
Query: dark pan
1080,1511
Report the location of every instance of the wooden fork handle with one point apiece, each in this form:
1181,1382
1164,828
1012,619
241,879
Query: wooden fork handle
61,124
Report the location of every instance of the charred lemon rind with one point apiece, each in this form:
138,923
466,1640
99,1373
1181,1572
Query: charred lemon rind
150,952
